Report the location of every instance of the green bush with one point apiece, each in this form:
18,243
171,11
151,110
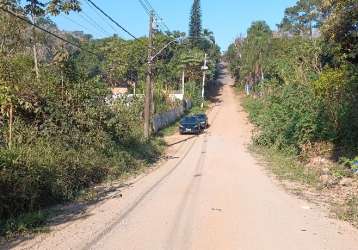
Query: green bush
288,118
67,144
193,93
33,177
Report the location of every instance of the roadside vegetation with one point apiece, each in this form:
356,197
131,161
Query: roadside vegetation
60,130
301,83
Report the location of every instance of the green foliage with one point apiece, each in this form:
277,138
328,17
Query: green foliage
351,163
341,26
193,93
71,144
253,51
301,18
195,25
288,118
23,224
55,7
286,166
306,88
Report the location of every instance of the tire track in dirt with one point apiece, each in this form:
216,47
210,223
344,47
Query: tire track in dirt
111,226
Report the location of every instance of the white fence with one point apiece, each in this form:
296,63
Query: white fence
165,119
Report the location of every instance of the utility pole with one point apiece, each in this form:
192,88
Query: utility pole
148,88
204,68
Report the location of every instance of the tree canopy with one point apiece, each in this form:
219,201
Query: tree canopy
195,25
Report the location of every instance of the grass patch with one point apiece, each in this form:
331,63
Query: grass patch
128,162
285,166
24,224
349,211
169,130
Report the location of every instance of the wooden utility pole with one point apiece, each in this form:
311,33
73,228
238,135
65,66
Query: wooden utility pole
148,88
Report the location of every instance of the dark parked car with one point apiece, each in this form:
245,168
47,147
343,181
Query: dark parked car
190,125
203,120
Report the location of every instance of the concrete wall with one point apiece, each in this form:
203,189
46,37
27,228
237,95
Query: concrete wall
165,119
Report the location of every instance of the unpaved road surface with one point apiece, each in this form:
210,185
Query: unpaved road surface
209,194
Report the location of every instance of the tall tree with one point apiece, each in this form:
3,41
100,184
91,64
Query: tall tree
341,26
195,26
36,9
301,18
253,51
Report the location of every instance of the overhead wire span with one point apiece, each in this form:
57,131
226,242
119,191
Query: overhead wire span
148,8
101,16
112,20
157,14
48,32
74,22
90,26
93,22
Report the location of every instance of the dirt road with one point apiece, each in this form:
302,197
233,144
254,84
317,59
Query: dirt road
209,194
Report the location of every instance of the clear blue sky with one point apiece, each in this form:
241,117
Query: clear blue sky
226,18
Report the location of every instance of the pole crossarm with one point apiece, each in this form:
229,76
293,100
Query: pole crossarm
166,46
179,39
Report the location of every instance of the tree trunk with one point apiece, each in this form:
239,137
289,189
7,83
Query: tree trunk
183,82
11,112
62,87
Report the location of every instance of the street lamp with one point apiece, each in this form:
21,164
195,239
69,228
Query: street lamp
204,68
179,39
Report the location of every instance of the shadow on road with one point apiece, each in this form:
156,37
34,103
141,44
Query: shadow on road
213,91
71,212
181,141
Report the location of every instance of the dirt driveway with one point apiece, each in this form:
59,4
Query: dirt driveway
210,193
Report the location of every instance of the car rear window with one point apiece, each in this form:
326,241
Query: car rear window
189,119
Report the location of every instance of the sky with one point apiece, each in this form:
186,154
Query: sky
226,18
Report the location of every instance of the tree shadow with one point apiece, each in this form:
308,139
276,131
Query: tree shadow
213,91
181,141
67,214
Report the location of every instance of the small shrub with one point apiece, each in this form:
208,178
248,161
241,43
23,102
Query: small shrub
288,118
23,224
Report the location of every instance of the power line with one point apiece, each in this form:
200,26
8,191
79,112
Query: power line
101,16
94,23
146,9
90,26
75,22
112,20
49,32
148,3
156,13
